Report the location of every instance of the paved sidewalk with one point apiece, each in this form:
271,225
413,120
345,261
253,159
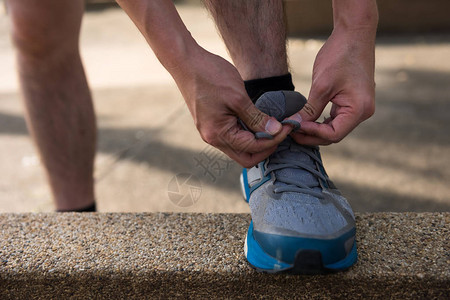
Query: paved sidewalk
168,255
397,161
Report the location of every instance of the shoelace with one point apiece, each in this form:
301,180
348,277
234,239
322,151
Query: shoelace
278,162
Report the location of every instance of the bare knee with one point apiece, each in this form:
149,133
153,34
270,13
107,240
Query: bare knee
43,28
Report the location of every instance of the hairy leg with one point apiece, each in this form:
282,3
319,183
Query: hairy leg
59,109
254,32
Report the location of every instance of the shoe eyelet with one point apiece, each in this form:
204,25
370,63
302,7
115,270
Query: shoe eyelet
271,190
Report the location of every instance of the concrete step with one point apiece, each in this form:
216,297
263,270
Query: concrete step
401,255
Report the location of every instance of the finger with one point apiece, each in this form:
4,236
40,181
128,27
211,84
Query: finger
296,118
327,120
242,141
248,160
333,130
317,100
309,140
256,120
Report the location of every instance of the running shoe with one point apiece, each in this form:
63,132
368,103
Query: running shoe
301,223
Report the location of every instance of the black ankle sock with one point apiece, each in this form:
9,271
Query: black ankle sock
256,87
90,208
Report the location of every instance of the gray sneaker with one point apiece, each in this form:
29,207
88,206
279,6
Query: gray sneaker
300,221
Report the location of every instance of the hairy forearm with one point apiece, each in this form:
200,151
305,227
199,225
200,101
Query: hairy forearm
355,25
355,15
162,27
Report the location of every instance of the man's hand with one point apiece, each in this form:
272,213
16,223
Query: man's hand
215,94
343,74
213,89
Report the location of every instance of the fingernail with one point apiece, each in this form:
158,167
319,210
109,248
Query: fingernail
296,117
273,126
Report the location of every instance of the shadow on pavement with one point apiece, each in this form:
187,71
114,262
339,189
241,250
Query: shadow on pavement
156,153
412,113
387,39
366,199
152,151
12,124
100,6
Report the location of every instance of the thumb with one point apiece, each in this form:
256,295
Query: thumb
315,105
258,121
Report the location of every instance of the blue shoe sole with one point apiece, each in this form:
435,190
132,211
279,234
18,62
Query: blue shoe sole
306,262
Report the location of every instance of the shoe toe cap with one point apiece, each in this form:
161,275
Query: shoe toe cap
309,216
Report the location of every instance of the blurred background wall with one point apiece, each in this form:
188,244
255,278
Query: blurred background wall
311,17
396,16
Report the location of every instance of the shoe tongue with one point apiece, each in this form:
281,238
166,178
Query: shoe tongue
280,104
295,154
